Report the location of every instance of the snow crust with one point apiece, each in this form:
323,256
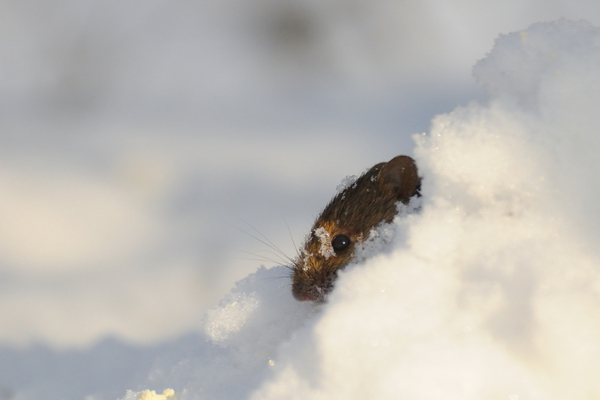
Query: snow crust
490,291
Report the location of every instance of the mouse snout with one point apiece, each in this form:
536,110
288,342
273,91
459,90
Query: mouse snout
313,287
303,297
314,293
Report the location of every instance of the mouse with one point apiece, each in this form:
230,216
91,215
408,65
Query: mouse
347,221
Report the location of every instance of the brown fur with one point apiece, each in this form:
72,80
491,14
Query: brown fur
353,212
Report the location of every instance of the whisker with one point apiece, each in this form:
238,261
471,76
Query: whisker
260,257
264,260
274,278
264,241
292,237
280,284
282,260
277,260
283,290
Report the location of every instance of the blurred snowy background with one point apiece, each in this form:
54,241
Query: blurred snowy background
136,137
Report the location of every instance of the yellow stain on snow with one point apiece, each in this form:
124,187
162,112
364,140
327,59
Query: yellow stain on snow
151,395
523,36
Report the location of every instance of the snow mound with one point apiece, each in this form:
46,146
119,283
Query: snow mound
490,291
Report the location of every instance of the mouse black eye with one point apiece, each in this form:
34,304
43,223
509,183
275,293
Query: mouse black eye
340,242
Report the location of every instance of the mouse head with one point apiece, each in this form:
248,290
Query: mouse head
347,221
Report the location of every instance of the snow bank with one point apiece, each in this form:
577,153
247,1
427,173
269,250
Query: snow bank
492,291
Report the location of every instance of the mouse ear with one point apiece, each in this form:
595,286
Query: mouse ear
400,173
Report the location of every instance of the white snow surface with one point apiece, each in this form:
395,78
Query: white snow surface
490,291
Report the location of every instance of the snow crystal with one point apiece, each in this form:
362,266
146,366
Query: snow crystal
230,316
491,286
346,183
326,249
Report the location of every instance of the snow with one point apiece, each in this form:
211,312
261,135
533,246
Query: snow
490,290
132,136
346,182
326,249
